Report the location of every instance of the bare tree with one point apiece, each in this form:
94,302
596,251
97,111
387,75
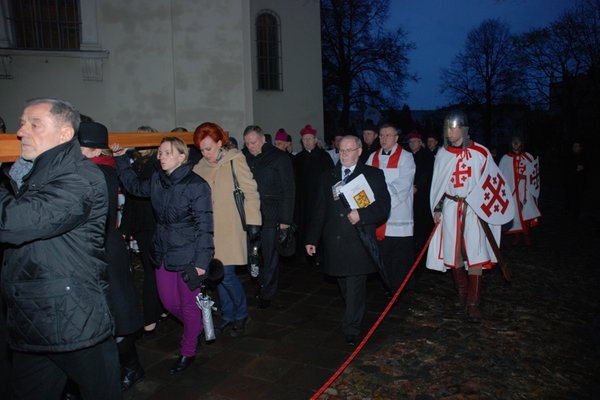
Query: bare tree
484,73
561,64
363,64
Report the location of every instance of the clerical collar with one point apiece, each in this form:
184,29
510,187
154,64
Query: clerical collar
388,153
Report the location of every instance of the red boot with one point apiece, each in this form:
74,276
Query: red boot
473,295
460,283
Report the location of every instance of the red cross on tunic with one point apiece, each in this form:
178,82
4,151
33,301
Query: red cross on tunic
460,174
495,188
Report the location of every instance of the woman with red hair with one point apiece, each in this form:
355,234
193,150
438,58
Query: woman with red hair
231,240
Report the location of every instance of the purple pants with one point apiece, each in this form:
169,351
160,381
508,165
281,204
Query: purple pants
180,301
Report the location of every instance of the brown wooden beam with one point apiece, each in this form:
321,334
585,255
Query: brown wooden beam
10,146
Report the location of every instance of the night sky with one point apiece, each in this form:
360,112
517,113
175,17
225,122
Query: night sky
439,29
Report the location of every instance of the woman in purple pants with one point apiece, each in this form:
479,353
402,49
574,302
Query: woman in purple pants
183,240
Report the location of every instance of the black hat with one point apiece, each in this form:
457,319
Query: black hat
93,135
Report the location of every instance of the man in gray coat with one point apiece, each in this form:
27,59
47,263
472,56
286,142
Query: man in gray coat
54,272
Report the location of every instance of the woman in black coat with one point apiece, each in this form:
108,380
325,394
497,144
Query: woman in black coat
183,240
93,138
138,222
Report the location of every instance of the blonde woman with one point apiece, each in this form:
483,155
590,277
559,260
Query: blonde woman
183,240
229,236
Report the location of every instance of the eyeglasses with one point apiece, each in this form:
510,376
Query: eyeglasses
348,151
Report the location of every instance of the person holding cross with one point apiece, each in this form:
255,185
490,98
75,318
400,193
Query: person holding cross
460,241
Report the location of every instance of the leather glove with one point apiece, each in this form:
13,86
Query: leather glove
253,233
191,278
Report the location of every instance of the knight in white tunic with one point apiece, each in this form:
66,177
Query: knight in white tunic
459,241
521,170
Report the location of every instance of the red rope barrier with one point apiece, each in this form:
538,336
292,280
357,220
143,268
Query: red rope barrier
376,324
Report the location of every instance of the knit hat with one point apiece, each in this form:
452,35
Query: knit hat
415,135
308,130
281,135
93,135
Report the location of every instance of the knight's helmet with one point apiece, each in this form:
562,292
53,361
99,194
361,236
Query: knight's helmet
456,119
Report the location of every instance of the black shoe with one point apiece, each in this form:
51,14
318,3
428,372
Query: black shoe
223,327
182,363
264,303
351,339
131,377
239,327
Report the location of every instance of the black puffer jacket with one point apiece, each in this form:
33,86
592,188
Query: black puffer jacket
53,273
274,174
182,206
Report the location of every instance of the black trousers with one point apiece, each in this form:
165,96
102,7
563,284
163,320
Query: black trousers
397,254
43,375
354,292
268,276
151,305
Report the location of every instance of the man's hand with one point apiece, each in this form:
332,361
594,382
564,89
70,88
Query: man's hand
311,249
354,217
283,226
117,149
437,217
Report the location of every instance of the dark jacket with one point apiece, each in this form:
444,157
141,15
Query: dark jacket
308,166
421,210
274,174
138,215
343,251
53,273
182,204
121,288
368,150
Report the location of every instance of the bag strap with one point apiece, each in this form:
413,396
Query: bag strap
236,184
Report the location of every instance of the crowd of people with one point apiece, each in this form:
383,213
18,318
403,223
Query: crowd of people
367,204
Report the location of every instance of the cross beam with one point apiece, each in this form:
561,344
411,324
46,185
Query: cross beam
10,146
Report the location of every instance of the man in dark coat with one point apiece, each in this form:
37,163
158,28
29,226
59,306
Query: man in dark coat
370,140
53,277
274,174
308,164
422,186
345,255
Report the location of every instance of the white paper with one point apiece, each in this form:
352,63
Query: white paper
358,193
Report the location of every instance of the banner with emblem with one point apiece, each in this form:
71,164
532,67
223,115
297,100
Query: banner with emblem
532,172
491,199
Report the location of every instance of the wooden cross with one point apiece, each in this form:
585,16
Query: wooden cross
10,145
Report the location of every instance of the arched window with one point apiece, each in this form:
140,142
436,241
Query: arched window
268,46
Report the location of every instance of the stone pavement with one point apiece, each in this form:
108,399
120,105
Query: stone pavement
288,352
540,337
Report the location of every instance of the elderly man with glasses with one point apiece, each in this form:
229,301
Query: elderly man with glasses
341,225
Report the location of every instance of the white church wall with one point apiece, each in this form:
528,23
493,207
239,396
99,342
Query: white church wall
300,102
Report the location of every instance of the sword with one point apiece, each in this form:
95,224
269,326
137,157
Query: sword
501,262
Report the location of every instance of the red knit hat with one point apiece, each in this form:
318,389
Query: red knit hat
281,135
308,130
415,135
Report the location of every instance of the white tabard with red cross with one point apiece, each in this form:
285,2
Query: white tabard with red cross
455,175
522,176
